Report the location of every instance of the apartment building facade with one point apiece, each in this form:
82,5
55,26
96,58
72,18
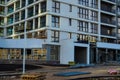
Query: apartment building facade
82,31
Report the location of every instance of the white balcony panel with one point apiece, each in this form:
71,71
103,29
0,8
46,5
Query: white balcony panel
108,45
21,43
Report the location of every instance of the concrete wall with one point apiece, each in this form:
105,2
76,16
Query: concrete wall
66,51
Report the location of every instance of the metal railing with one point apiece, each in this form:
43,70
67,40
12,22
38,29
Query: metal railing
104,20
108,34
112,0
108,10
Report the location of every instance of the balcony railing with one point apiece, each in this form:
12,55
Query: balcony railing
107,34
103,20
112,0
108,10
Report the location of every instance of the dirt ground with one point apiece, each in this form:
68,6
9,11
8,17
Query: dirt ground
95,71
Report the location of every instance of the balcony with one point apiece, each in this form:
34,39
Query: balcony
108,10
108,45
107,21
106,34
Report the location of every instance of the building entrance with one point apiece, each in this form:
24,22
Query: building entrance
80,55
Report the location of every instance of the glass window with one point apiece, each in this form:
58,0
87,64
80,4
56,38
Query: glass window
55,36
17,5
70,22
22,14
94,28
30,12
23,3
2,1
70,8
94,3
83,2
94,15
29,25
1,32
1,21
43,6
10,19
82,38
54,53
56,7
21,27
36,9
83,26
30,1
9,30
36,23
11,8
55,21
17,17
43,21
83,13
2,10
16,28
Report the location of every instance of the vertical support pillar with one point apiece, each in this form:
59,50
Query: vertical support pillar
88,55
8,54
116,52
48,52
99,20
96,55
106,52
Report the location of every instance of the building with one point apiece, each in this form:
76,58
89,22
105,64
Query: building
81,31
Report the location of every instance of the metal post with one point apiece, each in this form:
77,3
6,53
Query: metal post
24,60
25,40
97,60
24,54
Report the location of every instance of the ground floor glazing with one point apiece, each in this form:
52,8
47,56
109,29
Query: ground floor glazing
104,55
48,52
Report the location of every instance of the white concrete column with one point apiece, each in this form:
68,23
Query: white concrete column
34,10
33,24
49,6
14,7
26,2
99,20
48,20
20,3
39,11
38,22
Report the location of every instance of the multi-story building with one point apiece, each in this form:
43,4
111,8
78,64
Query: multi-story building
82,31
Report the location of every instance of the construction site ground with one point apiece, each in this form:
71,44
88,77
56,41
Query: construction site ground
97,70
